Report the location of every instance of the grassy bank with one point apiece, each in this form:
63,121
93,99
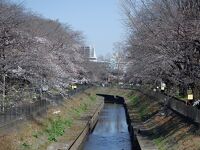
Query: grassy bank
143,106
170,132
61,124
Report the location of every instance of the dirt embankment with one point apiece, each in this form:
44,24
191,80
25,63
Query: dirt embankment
166,129
62,124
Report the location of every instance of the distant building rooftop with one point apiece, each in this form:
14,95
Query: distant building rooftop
89,53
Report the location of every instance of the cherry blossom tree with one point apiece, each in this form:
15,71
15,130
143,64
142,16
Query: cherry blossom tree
163,43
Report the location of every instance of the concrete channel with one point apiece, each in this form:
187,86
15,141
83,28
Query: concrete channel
113,130
108,129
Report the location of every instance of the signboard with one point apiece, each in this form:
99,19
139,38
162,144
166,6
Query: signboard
190,94
163,86
74,87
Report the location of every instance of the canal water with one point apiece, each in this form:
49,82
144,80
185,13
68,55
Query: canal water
111,131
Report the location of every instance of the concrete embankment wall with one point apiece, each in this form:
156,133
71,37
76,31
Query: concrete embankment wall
179,106
87,129
134,139
187,111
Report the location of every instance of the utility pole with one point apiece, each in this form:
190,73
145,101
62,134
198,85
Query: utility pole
4,91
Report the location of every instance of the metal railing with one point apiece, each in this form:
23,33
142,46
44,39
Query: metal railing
173,103
11,113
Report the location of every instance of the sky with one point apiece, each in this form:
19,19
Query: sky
99,20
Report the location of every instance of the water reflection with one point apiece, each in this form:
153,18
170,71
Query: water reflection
111,132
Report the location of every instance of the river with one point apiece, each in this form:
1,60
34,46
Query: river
111,131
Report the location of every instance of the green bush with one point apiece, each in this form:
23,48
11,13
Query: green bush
57,127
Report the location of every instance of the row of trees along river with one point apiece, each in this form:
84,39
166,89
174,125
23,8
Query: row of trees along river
163,44
38,54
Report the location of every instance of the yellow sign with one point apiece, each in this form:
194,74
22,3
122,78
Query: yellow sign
190,96
74,87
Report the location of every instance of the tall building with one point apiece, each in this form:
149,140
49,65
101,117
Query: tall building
89,53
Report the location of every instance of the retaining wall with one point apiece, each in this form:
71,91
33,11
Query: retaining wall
134,140
175,104
76,145
187,111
